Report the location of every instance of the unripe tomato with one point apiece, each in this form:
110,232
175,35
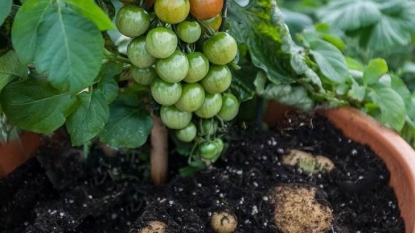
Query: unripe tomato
132,21
217,80
214,23
161,42
219,143
198,67
205,9
192,97
188,133
220,49
143,76
165,93
173,68
208,150
230,107
174,118
208,127
189,31
137,53
211,106
172,11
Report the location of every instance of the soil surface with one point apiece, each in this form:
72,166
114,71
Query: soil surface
60,190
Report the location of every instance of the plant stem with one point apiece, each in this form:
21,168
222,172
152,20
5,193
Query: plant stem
224,15
259,113
159,152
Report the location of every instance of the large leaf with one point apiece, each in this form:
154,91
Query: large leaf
10,67
129,124
350,14
107,85
63,44
89,118
243,82
330,60
391,104
5,8
90,10
34,105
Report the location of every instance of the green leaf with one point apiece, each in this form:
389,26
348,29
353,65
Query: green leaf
354,64
36,106
392,106
357,92
296,96
108,7
374,70
5,8
90,10
129,124
10,67
350,15
62,43
242,85
330,61
89,118
107,85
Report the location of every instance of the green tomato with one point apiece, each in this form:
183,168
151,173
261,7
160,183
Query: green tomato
132,21
161,42
230,107
188,133
137,53
192,97
173,68
165,93
208,127
217,80
198,67
172,11
208,150
173,118
211,106
220,144
220,49
143,76
189,31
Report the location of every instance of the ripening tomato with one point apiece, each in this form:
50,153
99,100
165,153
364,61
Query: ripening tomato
220,49
188,133
217,80
137,53
132,21
172,11
143,76
192,97
205,9
213,23
161,42
174,118
230,107
173,68
165,93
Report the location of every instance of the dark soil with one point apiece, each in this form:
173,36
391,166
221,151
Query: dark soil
70,193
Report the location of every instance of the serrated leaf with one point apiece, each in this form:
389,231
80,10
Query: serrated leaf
107,85
296,96
374,70
128,126
392,106
63,44
330,61
90,10
5,8
34,105
10,67
350,14
89,118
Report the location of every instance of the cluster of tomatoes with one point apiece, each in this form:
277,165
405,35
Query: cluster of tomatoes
190,82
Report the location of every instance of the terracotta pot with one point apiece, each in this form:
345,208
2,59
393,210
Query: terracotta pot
16,152
397,154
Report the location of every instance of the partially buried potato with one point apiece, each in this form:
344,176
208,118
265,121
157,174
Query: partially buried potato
154,227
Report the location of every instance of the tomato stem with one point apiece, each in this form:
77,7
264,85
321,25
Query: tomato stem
224,15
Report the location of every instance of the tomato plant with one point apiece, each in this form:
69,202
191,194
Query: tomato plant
205,9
